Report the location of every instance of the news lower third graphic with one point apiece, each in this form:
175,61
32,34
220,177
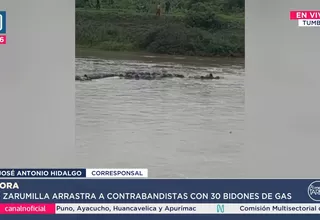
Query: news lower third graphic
3,27
306,18
73,173
127,191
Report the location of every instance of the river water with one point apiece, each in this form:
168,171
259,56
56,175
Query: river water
177,128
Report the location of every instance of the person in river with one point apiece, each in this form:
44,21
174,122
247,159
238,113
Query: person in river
158,13
84,78
210,76
167,6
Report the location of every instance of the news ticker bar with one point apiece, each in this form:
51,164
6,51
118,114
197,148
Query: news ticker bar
173,208
159,191
74,173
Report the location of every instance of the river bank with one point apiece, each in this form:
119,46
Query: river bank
148,57
119,30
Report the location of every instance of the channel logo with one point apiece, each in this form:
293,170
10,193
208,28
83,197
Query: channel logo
220,208
306,18
314,191
3,22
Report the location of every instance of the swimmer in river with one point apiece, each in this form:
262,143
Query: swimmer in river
84,78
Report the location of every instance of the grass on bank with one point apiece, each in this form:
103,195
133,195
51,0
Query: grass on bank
193,33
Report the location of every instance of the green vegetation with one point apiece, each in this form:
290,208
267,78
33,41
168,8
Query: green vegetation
189,27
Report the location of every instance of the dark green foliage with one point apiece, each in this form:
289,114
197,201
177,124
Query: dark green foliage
79,3
233,5
178,39
203,17
192,27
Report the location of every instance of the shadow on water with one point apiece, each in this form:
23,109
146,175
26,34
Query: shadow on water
173,127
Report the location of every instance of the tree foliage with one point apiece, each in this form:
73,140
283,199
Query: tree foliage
192,27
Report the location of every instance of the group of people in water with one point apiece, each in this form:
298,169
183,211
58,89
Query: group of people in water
143,75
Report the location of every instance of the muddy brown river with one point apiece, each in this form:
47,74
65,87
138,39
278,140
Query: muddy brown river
177,128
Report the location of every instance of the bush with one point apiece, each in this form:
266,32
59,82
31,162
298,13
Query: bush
199,31
171,39
79,4
234,6
202,16
178,39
